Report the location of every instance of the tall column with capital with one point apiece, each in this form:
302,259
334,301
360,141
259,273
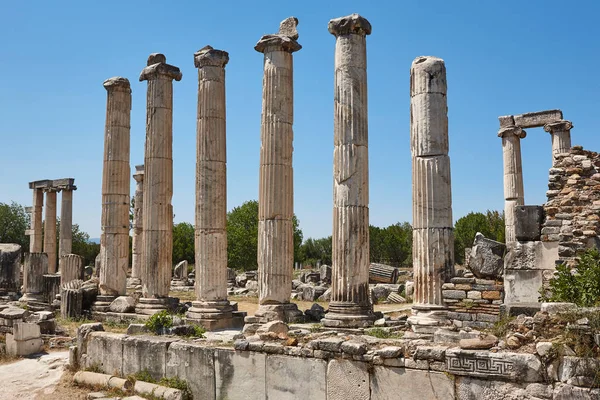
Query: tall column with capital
50,229
35,233
114,239
158,184
350,305
137,237
513,176
561,136
433,235
211,308
275,190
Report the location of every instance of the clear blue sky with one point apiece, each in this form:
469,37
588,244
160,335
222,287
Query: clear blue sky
506,57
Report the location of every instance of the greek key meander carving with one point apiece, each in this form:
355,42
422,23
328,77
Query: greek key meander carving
489,366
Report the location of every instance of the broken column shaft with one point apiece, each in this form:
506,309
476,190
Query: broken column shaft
114,239
211,308
350,305
433,236
50,230
158,184
36,265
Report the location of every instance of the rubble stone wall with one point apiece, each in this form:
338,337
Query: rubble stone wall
573,207
332,368
473,302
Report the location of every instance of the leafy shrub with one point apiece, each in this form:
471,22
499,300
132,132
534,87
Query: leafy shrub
160,321
580,285
383,333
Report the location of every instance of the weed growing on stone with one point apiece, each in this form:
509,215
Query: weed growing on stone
580,285
315,328
502,326
384,333
159,322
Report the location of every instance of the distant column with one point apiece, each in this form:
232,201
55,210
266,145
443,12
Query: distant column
561,136
138,231
275,190
36,265
114,239
513,176
158,186
211,308
433,235
35,233
71,268
50,230
350,306
65,242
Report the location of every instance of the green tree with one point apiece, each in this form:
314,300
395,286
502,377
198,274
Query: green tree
580,285
490,224
183,242
313,250
391,245
242,236
81,244
14,221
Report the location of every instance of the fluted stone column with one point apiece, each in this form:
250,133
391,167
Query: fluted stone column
433,236
513,176
71,268
114,237
35,233
137,239
36,265
211,308
50,229
158,184
561,136
65,238
275,190
350,305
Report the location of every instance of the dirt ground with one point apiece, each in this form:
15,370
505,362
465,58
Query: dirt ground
41,378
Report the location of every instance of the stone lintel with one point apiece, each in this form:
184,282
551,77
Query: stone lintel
538,119
29,209
41,184
512,130
350,24
558,126
506,121
64,184
208,56
277,42
117,83
157,65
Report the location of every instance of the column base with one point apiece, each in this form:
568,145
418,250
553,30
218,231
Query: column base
428,318
286,312
102,303
150,306
34,301
214,315
349,315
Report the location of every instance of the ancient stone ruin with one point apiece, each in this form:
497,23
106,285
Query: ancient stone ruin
459,341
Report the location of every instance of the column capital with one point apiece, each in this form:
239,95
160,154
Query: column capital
51,190
117,83
350,24
208,56
284,40
157,66
512,130
139,173
558,126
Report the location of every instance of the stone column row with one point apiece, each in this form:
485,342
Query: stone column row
433,237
